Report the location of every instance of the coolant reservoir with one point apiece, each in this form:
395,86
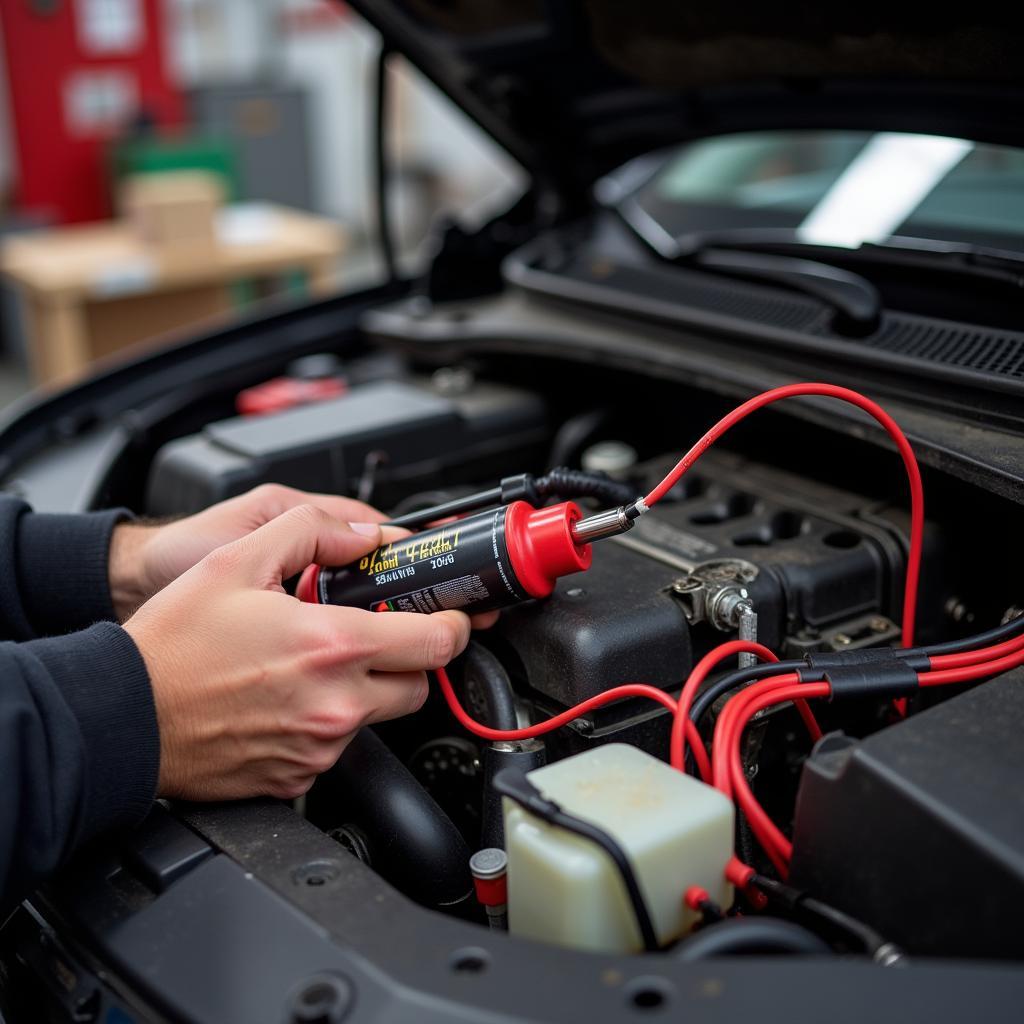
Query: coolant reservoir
676,831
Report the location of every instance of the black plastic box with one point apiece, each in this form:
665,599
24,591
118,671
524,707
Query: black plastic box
323,447
919,829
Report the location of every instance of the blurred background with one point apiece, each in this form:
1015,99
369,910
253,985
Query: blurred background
167,164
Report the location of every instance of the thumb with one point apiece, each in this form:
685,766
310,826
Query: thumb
294,539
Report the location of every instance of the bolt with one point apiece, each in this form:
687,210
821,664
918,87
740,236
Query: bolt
317,872
890,955
880,625
841,640
958,611
320,999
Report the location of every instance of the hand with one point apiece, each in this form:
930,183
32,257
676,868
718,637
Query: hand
145,558
257,693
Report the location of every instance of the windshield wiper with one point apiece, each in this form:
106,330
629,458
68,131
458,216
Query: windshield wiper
855,300
979,261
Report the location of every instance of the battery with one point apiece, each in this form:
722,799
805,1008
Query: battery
490,560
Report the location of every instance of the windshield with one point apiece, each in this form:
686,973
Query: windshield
838,187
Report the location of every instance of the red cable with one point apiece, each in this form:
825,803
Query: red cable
678,741
541,728
968,673
728,768
962,658
891,427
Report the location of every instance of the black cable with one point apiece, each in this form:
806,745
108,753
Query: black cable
516,786
575,483
1006,631
796,900
752,936
456,506
738,678
420,501
482,668
733,680
380,168
561,482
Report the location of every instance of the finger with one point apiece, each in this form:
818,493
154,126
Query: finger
484,620
401,641
389,695
271,500
348,509
287,544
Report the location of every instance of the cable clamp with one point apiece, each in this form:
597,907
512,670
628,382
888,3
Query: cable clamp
875,671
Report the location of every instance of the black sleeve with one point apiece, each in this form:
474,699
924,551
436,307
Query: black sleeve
79,748
54,576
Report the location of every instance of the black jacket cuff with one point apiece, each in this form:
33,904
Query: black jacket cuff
104,680
63,571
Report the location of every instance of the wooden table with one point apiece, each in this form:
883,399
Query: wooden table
92,290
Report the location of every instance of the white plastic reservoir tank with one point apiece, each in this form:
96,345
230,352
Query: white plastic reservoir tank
676,831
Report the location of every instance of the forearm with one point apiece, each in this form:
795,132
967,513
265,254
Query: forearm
62,571
79,749
128,581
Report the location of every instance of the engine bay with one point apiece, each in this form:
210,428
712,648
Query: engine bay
532,816
746,547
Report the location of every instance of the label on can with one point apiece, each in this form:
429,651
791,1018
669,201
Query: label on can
463,564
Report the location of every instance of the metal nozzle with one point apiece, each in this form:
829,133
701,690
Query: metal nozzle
601,525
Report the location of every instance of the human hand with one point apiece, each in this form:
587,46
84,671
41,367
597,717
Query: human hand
256,692
144,558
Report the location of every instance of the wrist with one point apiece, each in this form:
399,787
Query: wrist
128,576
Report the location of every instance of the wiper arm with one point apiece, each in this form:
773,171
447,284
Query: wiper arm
988,262
857,304
966,257
856,301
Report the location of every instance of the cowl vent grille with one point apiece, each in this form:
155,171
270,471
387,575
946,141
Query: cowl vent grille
989,352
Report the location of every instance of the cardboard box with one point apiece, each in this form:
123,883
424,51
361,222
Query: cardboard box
174,210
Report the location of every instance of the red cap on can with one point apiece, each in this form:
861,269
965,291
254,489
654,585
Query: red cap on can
541,546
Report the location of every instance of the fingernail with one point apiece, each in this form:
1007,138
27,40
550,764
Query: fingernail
366,529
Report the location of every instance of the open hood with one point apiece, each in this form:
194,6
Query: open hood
573,90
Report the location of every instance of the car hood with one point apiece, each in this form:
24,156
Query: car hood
573,90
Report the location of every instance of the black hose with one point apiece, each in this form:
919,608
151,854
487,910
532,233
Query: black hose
487,688
752,936
412,843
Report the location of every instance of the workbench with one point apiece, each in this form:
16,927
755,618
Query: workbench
92,290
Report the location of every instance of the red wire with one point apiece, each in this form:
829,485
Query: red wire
541,728
968,673
677,744
962,658
727,764
891,427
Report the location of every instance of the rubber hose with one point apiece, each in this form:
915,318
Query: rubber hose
412,843
486,682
